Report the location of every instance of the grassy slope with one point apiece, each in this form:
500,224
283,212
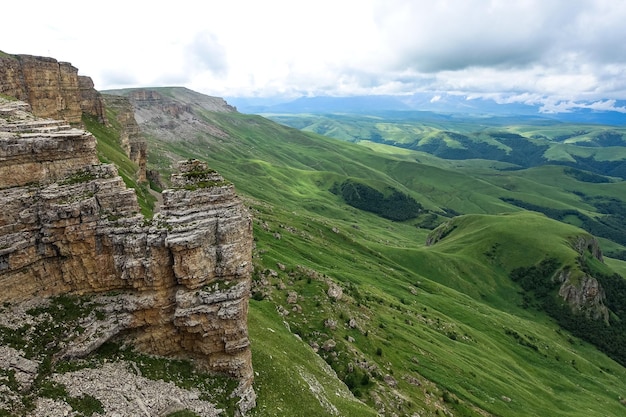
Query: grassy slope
110,151
437,314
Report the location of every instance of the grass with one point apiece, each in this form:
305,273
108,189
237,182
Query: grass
110,151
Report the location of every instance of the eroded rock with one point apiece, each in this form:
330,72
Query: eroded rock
69,225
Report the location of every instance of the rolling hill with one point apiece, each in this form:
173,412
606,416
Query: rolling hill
523,142
354,314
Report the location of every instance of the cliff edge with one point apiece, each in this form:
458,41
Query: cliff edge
177,285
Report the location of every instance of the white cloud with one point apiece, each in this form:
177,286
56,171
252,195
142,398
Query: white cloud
560,53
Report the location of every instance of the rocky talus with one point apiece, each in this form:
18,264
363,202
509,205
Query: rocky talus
175,285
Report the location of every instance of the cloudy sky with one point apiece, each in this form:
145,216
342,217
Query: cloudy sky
559,53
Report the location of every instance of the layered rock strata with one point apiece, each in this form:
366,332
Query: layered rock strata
91,101
181,281
52,88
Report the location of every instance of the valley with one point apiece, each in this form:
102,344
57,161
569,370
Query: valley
417,330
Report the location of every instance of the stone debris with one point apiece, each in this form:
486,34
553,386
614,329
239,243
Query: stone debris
123,393
25,369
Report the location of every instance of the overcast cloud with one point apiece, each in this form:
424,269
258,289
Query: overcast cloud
557,53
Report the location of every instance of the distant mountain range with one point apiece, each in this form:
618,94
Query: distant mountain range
426,102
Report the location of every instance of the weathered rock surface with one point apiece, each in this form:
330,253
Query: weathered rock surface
52,88
69,225
580,290
584,294
91,101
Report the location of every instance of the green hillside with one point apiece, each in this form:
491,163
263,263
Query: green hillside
597,148
405,328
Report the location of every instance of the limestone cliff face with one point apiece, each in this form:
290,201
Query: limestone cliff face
53,89
69,225
90,99
131,139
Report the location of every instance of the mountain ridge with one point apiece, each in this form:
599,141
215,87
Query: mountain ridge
437,103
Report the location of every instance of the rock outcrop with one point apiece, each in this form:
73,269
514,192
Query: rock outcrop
583,294
52,88
181,281
581,291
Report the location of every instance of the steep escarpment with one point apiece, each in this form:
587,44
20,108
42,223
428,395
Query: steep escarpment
176,285
175,113
52,88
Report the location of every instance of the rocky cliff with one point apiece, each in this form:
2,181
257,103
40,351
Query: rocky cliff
173,113
581,291
52,88
177,285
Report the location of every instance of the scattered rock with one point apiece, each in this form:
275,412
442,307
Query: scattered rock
280,266
391,381
140,396
329,345
330,324
334,291
292,297
412,380
25,369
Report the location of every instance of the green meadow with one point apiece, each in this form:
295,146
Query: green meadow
417,329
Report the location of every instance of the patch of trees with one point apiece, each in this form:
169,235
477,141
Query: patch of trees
537,278
393,206
586,176
610,168
611,226
610,138
540,291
